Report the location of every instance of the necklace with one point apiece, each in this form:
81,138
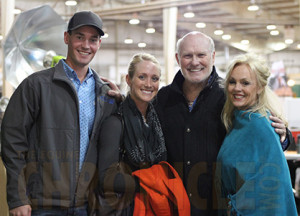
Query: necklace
144,119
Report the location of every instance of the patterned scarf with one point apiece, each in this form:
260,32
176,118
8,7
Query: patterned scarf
143,142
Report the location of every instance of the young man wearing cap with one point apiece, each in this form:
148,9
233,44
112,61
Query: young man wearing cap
50,126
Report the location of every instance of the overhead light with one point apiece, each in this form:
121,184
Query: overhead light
298,46
218,32
291,82
128,41
278,46
240,46
253,6
289,41
134,20
274,32
150,29
226,37
189,12
142,45
17,11
289,34
105,35
71,3
1,37
271,27
200,25
245,42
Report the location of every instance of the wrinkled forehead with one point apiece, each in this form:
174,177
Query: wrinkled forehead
195,43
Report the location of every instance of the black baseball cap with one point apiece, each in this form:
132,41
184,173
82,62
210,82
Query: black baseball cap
83,18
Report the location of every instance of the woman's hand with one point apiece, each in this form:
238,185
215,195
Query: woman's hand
279,127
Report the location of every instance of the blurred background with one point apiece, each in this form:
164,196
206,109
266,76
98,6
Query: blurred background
31,34
267,27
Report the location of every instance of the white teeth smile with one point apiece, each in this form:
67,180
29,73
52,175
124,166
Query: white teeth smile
83,53
147,91
238,96
195,70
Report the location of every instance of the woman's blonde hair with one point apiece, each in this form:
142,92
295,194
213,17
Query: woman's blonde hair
139,57
267,100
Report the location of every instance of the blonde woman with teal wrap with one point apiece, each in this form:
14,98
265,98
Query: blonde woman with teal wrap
252,174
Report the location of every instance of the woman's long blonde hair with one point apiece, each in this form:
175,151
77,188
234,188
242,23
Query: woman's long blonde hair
267,100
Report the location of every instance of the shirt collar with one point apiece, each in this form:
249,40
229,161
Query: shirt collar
72,74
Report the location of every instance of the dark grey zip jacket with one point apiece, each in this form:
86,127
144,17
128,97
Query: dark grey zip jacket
40,141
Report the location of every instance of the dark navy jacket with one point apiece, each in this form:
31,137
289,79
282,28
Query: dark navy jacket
193,139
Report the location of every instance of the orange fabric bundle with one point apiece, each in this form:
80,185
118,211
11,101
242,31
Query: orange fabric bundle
164,194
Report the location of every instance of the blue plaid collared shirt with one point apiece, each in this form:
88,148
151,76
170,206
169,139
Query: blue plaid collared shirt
86,97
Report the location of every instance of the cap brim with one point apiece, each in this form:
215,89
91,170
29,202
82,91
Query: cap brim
101,33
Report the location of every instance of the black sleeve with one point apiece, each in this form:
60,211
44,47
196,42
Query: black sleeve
290,140
110,178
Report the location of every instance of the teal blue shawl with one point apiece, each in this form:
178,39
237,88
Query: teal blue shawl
252,171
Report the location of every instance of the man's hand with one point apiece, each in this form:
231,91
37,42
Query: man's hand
24,210
115,91
280,127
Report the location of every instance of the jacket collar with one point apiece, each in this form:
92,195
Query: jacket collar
178,80
60,74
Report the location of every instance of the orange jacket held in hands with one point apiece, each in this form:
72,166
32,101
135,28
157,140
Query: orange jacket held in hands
162,192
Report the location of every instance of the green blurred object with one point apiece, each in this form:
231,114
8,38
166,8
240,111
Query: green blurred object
56,59
51,59
296,89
